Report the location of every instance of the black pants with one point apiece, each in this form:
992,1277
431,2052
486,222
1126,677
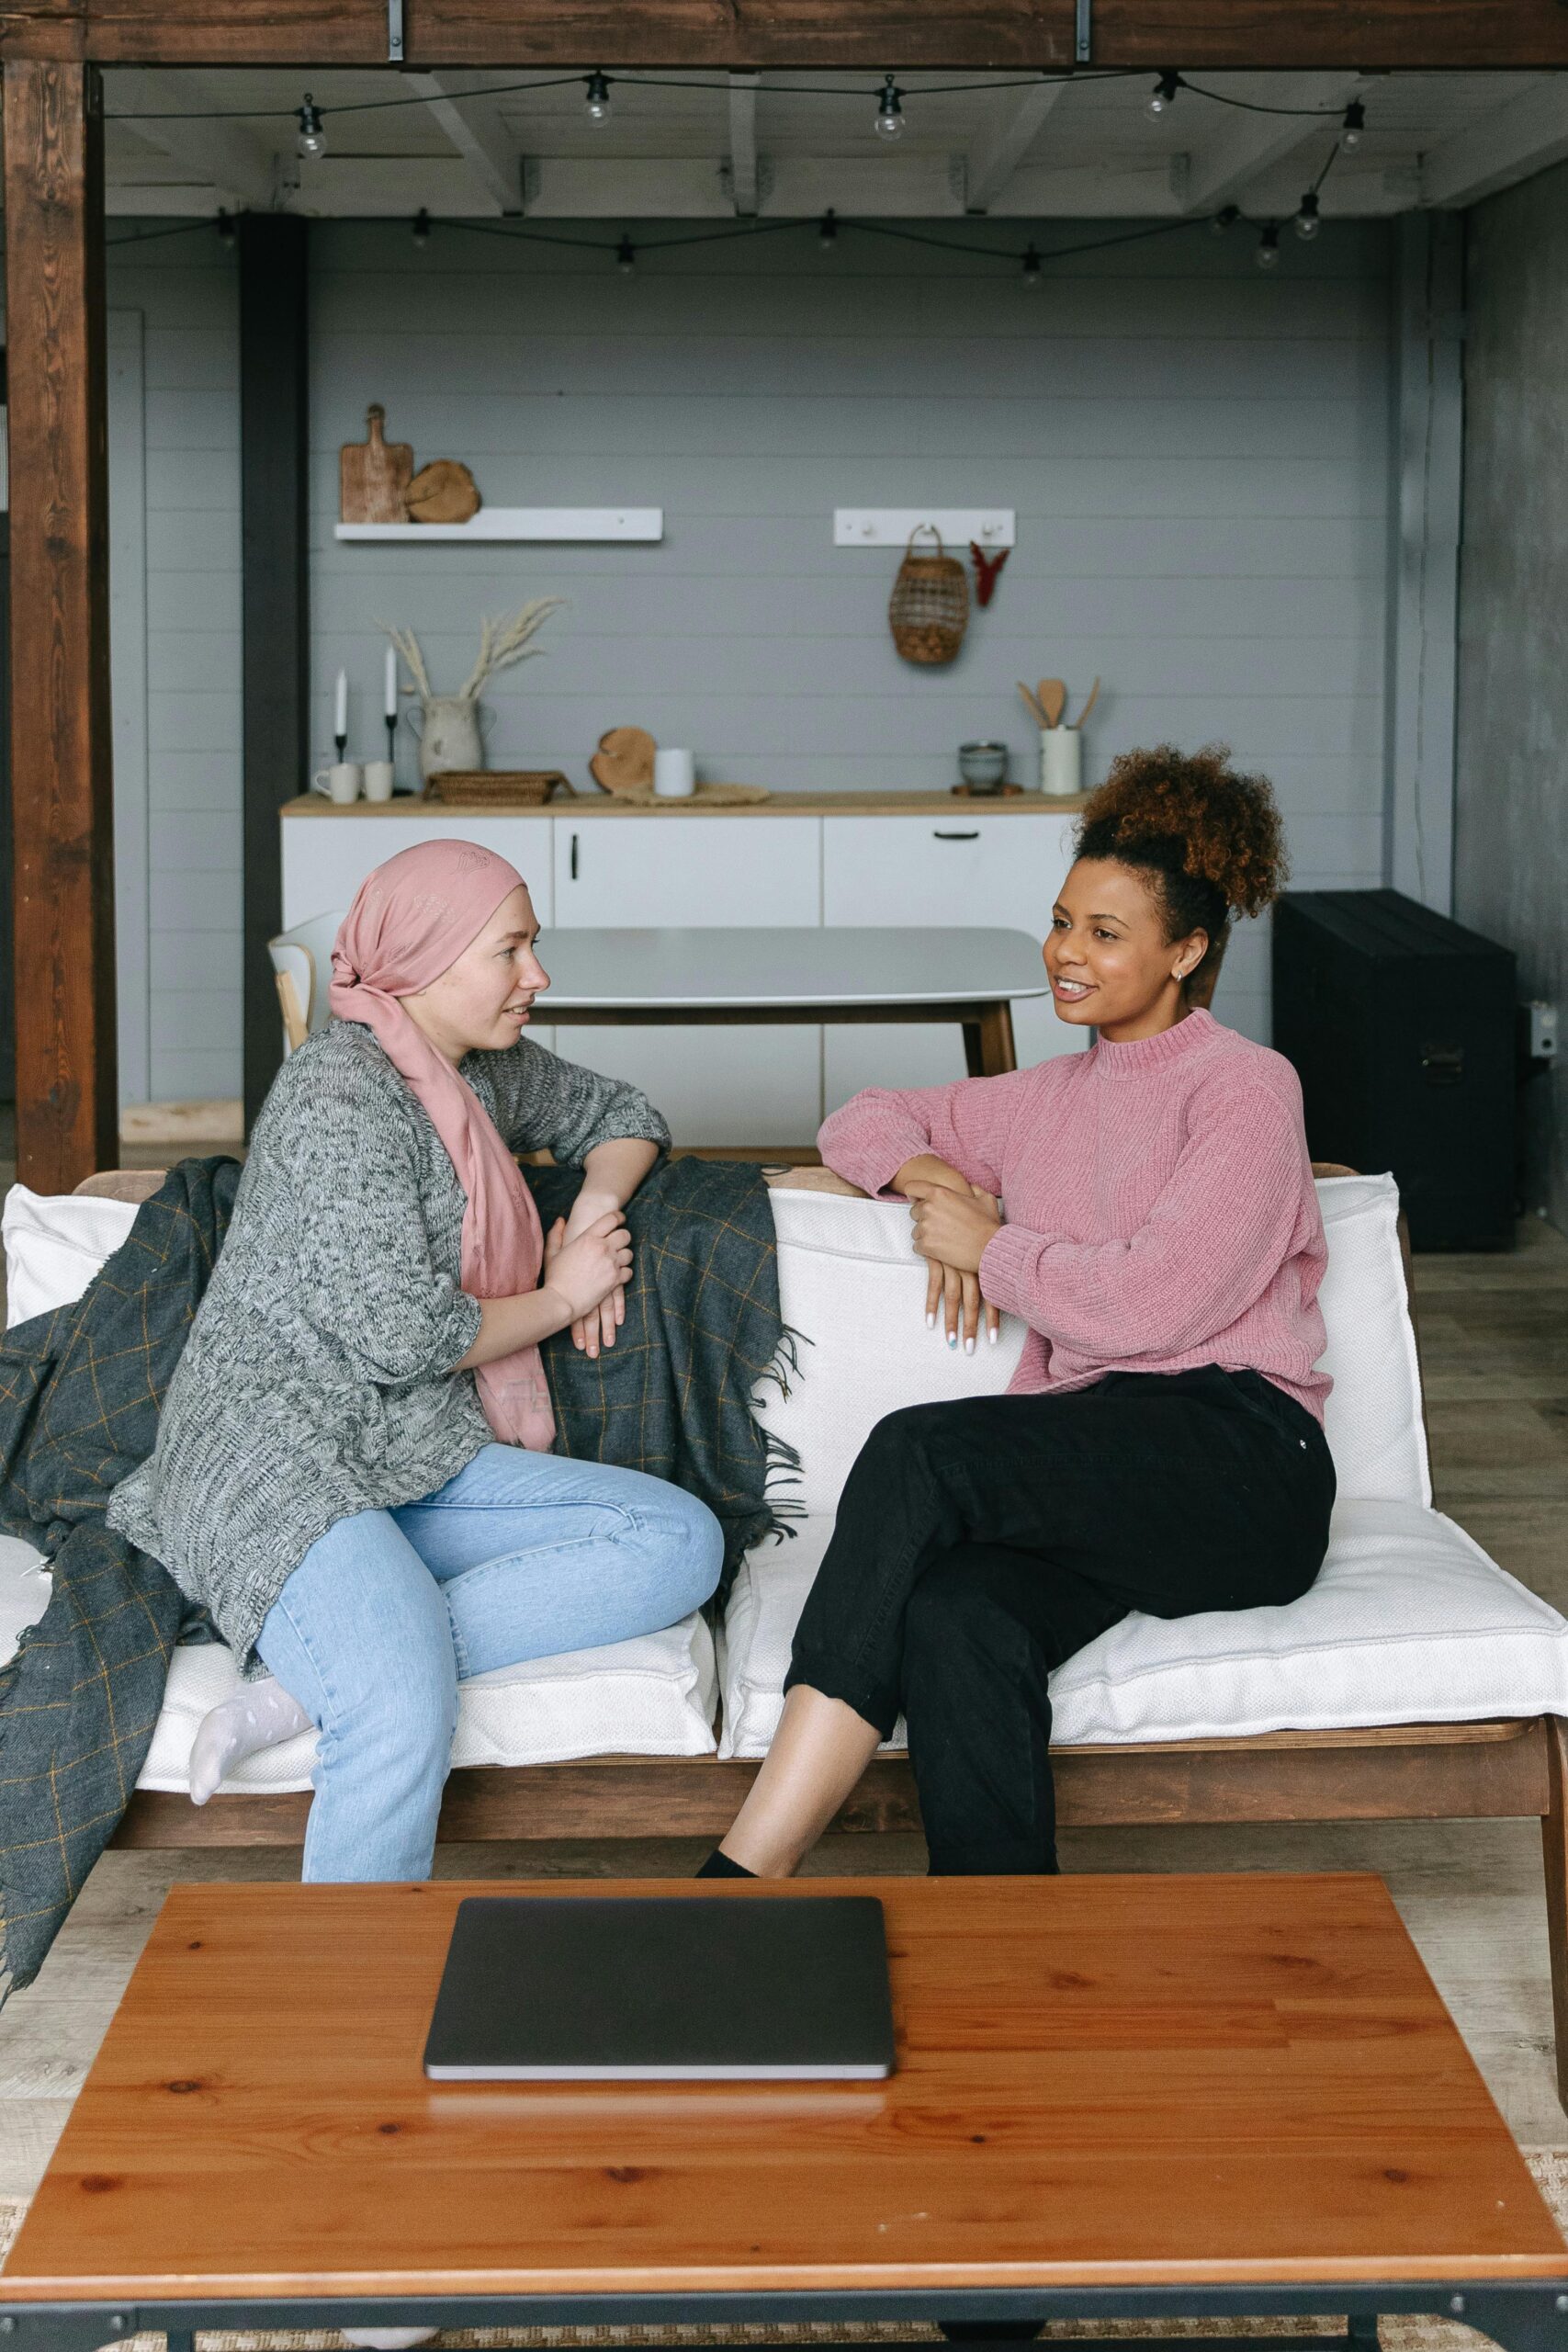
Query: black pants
979,1544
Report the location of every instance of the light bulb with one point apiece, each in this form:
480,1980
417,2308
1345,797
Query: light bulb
1354,125
889,110
1225,218
828,234
1032,267
596,105
1164,91
1308,220
312,138
626,257
225,228
420,232
1268,254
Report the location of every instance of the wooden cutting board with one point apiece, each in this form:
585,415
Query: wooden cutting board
624,762
442,492
374,475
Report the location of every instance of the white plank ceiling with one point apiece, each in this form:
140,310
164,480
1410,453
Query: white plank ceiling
787,145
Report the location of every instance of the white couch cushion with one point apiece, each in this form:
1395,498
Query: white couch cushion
1409,1622
55,1243
850,1285
651,1697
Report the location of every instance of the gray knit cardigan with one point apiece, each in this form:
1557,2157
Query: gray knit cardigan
318,1378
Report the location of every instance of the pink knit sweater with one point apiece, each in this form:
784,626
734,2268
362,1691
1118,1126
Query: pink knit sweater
1158,1197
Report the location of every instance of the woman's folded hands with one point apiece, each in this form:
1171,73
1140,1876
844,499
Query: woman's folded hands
954,1220
588,1262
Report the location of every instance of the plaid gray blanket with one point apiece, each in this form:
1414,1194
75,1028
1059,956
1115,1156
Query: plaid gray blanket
80,1392
703,1328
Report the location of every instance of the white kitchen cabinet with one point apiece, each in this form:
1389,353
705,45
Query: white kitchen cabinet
325,859
649,872
946,870
718,1085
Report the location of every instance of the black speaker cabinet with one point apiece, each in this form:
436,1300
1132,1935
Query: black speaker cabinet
1401,1025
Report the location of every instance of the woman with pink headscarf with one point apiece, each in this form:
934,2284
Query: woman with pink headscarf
353,1470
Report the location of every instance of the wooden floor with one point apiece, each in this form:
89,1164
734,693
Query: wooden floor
1495,1339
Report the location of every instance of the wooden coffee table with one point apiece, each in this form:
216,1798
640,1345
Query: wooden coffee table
1129,2097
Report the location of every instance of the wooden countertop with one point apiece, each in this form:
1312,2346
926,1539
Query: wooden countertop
783,804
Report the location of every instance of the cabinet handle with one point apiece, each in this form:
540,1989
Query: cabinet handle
574,857
939,836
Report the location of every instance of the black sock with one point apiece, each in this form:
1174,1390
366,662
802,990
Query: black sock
718,1865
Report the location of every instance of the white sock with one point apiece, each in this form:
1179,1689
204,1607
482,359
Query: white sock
258,1716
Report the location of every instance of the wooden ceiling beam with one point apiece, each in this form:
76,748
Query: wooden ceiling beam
1502,147
475,128
1242,147
743,143
173,112
869,36
1011,130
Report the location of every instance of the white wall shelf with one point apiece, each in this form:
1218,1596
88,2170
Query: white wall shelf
523,523
889,526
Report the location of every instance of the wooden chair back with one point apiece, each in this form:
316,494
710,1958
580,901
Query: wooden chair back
302,959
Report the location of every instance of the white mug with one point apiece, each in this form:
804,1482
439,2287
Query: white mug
675,775
379,777
340,781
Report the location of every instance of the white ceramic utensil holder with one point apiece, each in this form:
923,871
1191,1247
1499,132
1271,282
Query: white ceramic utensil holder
1061,762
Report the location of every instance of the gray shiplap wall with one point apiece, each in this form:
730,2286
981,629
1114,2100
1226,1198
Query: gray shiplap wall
1197,452
183,289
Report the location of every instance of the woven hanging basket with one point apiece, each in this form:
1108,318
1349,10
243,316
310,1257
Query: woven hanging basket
929,606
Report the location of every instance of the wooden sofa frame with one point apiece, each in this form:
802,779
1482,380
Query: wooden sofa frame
1501,1770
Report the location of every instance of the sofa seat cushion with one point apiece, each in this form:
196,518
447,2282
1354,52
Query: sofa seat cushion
1409,1621
655,1696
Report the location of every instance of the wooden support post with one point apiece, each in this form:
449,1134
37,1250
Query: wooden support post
61,782
274,462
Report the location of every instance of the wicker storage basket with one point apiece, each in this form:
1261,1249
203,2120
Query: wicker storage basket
494,787
929,606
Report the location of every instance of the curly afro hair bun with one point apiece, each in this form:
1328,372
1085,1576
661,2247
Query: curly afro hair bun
1214,838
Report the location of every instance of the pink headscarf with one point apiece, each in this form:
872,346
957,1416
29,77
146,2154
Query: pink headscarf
411,922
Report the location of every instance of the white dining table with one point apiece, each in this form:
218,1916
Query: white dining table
757,973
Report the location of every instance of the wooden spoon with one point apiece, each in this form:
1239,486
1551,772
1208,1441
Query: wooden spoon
1093,697
1053,700
1032,703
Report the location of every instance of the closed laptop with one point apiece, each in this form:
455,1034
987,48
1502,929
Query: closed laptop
732,1987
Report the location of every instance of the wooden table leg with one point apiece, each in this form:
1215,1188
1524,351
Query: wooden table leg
974,1045
995,1040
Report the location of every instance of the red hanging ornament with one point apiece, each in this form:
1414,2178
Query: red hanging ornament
988,570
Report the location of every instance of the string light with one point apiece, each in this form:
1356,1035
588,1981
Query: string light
890,110
1308,217
1225,218
828,234
420,231
596,105
1032,267
1268,254
626,257
1164,91
1354,126
312,138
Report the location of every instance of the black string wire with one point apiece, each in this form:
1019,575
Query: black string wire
769,89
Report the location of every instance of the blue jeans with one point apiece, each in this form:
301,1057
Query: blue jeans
521,1556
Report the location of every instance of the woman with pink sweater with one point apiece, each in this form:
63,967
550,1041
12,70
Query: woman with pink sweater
1147,1209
